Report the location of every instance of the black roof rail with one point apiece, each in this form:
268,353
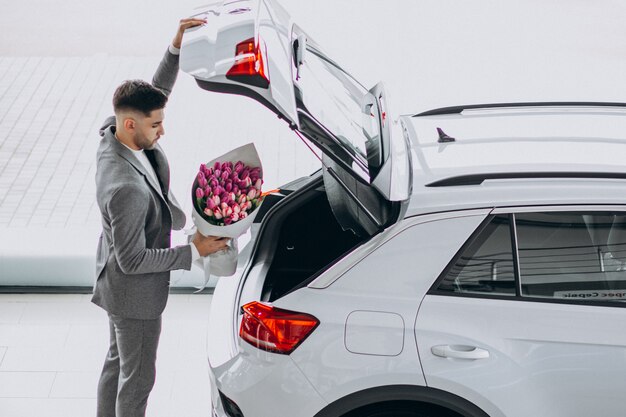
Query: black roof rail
477,179
459,109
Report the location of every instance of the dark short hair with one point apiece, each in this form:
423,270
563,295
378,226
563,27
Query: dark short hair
138,95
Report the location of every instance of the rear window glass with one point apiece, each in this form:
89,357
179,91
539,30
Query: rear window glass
340,104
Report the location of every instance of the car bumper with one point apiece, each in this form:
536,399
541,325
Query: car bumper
263,384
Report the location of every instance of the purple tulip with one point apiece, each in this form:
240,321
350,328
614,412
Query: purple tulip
202,182
225,175
228,187
227,220
199,193
213,183
244,174
218,173
238,166
201,175
235,190
210,203
217,166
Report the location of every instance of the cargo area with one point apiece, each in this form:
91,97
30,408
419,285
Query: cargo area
301,239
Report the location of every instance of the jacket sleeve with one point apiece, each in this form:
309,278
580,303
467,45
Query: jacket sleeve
127,210
167,72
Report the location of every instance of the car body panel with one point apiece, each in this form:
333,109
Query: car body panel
544,359
566,357
251,379
332,369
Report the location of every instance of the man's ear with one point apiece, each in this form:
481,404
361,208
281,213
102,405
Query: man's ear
129,123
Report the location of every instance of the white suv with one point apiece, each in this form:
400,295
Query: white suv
467,261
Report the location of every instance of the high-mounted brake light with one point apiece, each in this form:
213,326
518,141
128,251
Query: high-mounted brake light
249,67
273,329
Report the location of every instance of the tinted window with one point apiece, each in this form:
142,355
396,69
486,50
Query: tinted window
341,105
576,256
485,265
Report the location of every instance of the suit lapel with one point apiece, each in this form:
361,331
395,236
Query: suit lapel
158,160
161,167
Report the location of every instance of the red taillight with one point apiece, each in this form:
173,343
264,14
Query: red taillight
273,329
249,65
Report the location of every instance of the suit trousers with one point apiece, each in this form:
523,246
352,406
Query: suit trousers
129,370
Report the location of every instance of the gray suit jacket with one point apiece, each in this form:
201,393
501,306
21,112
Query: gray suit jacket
134,257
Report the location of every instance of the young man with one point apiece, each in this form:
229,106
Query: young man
134,257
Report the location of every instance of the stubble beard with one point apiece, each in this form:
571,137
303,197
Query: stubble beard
144,143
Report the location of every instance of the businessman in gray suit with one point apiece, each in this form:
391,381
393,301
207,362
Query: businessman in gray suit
135,257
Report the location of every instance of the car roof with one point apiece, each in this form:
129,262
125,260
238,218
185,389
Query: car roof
518,154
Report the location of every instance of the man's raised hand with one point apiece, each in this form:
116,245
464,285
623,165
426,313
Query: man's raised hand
183,25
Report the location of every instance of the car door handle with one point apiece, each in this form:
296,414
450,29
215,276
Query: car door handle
459,352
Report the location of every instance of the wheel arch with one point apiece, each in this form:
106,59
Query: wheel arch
391,393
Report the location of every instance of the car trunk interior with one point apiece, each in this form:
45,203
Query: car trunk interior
301,239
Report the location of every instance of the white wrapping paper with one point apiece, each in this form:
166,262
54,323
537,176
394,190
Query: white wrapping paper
224,263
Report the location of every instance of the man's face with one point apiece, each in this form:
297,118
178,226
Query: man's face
149,129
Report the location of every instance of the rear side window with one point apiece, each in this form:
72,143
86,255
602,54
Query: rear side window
486,264
575,256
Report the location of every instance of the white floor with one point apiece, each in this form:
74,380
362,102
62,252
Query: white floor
52,348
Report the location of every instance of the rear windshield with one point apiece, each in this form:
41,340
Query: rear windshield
342,105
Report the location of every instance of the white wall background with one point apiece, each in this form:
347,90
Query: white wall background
430,53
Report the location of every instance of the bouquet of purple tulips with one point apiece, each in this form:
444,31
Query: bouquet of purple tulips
227,192
226,195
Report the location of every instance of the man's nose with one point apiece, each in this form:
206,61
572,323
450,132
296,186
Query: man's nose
161,130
